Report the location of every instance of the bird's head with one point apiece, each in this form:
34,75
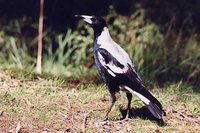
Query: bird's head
97,23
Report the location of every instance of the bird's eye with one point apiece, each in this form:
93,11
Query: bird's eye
93,19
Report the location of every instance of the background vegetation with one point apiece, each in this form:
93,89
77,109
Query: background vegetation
161,37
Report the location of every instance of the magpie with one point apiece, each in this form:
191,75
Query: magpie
117,70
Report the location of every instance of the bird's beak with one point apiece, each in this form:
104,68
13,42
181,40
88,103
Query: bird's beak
85,18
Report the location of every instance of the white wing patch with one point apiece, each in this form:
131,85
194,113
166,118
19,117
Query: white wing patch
144,99
103,63
111,73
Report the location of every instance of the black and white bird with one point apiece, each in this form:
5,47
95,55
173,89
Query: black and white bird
117,70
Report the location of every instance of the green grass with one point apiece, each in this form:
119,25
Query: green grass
51,103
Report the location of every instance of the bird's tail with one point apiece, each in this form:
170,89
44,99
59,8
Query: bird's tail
151,102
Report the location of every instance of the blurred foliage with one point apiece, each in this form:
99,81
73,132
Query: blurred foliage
73,51
161,37
155,54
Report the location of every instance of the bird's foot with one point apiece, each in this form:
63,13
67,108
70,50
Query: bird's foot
126,118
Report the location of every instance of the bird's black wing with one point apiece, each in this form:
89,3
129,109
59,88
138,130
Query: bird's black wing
108,58
113,65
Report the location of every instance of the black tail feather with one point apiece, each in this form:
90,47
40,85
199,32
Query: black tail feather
155,110
154,105
150,101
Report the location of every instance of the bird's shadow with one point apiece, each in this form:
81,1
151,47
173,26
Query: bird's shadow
142,113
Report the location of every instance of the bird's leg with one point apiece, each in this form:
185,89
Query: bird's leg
113,100
129,97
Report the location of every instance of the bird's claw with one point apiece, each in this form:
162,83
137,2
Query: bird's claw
126,118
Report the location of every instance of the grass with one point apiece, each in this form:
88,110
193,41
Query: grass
54,104
57,102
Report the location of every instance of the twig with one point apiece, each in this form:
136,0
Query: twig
85,121
190,119
49,130
1,112
28,103
63,115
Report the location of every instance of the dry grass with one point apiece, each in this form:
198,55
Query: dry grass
53,105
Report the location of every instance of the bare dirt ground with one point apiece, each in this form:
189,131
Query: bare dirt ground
51,106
